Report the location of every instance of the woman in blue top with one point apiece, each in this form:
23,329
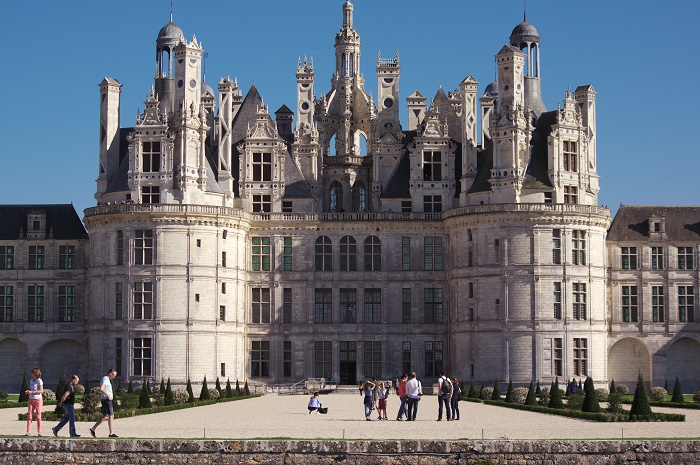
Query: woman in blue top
314,403
367,390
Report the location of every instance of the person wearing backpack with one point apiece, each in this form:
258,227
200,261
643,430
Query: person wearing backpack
444,396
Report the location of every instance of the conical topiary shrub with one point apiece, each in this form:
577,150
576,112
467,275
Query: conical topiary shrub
23,396
246,391
145,397
555,400
162,387
472,393
531,398
568,388
590,402
538,389
677,392
228,391
204,394
666,384
129,390
640,405
190,393
238,388
613,388
509,393
146,388
218,386
168,397
496,395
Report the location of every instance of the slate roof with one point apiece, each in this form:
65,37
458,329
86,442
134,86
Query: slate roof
246,115
62,219
536,172
398,185
631,223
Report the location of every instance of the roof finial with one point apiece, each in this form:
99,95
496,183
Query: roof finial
525,12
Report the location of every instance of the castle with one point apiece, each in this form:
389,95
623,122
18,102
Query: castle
332,241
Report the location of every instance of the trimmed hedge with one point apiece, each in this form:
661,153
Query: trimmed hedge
655,403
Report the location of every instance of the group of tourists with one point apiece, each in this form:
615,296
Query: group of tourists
67,401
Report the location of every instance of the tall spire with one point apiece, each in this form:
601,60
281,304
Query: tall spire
171,11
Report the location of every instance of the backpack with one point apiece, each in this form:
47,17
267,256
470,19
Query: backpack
446,387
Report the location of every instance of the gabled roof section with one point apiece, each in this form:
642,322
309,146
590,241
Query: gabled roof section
284,109
399,182
509,49
245,116
296,186
631,223
484,163
536,172
62,221
447,112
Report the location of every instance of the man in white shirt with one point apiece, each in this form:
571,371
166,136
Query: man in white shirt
414,391
106,400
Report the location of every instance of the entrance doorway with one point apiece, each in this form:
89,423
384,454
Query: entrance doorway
348,362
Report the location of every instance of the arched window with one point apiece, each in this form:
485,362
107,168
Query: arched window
332,149
348,254
373,254
343,65
359,197
336,196
324,254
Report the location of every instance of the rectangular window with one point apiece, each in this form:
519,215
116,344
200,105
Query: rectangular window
66,303
657,258
685,258
262,167
406,305
433,358
222,312
143,301
7,304
118,302
150,157
432,253
260,359
406,357
143,355
66,257
223,259
223,288
578,247
323,306
37,255
686,304
261,254
150,194
287,206
432,165
580,356
323,250
261,305
7,257
262,203
658,307
118,355
323,359
287,305
556,246
35,303
406,254
570,194
432,203
629,258
432,305
287,359
348,254
558,356
223,369
373,359
557,301
143,247
373,306
406,206
579,295
570,155
630,304
120,249
199,242
470,290
287,254
348,305
373,254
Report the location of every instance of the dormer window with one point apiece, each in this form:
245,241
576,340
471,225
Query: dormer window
432,165
657,228
150,157
262,167
570,155
36,224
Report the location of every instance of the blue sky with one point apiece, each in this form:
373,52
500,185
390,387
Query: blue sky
638,55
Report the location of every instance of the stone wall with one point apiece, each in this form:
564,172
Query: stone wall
22,450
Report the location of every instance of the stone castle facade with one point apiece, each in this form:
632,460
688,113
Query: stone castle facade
334,242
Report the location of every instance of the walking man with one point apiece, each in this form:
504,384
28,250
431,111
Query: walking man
401,391
106,399
68,401
414,392
444,396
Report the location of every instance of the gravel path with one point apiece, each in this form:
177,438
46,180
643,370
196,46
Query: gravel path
274,416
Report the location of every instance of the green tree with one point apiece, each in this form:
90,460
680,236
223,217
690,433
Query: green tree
246,391
531,398
613,388
147,388
496,395
168,398
23,396
472,393
555,400
509,393
145,397
190,393
590,402
538,389
129,390
677,391
238,388
59,393
666,384
204,393
218,386
120,389
640,404
228,390
162,386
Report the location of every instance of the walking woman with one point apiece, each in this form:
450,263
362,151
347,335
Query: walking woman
36,401
368,390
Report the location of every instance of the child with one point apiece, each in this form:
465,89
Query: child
383,394
314,403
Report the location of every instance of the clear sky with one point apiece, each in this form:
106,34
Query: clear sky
640,56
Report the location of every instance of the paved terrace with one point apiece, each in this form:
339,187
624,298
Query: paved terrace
286,416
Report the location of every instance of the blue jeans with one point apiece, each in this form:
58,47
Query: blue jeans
444,400
412,408
368,406
69,417
455,407
402,409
